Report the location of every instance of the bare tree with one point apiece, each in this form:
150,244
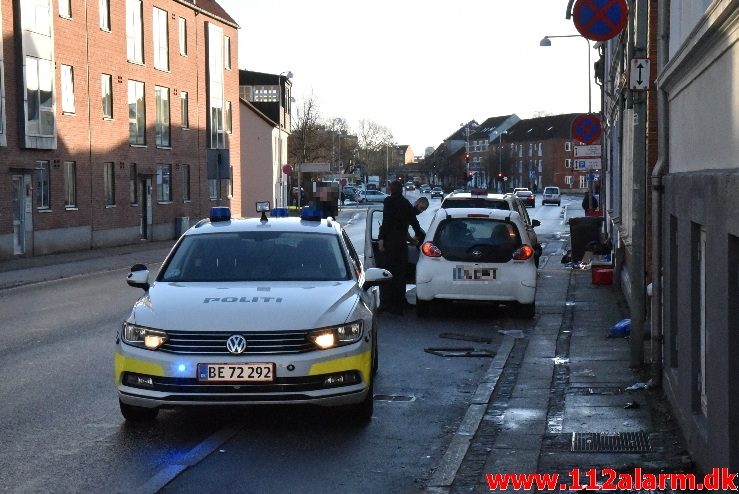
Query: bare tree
374,141
305,140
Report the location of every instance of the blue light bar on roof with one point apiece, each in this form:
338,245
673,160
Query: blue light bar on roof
310,213
220,213
279,213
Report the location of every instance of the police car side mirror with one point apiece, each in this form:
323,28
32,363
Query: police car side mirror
535,223
375,276
138,277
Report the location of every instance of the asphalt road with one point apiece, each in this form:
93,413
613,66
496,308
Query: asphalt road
61,430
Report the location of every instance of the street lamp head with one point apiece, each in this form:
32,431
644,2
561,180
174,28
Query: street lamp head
545,41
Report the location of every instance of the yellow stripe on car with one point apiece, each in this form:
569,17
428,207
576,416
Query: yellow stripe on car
361,362
128,364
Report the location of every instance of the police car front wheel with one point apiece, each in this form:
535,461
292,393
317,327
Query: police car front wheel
137,414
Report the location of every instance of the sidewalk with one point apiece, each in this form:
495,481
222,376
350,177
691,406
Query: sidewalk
27,270
562,400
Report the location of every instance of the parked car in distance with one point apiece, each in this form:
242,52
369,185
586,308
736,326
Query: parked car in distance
371,196
527,197
477,255
551,196
350,192
437,192
410,186
425,189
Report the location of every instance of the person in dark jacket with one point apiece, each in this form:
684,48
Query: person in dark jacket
589,201
398,215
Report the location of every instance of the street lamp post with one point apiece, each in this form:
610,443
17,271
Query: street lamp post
545,41
500,156
281,114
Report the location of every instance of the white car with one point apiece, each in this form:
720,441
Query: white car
249,312
482,199
371,196
479,255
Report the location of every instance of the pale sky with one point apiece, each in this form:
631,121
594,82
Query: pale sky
419,67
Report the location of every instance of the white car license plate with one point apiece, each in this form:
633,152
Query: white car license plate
471,273
254,372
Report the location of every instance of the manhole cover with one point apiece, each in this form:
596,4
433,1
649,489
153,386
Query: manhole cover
610,442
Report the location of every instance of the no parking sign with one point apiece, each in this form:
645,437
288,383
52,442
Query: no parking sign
600,20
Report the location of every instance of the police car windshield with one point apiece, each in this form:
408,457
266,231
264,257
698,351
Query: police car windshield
257,256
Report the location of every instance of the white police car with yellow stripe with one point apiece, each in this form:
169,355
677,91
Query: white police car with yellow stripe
252,311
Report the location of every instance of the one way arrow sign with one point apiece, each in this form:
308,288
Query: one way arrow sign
639,74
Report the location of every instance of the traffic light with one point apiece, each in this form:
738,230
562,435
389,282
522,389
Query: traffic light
467,158
500,176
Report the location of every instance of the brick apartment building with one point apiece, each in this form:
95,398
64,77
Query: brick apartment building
538,152
115,120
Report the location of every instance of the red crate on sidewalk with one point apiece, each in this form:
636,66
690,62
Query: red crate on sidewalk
593,212
602,276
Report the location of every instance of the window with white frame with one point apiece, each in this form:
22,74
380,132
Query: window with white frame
161,125
136,113
227,117
161,39
583,181
227,52
70,184
568,146
568,180
67,72
217,138
182,22
540,150
134,31
164,183
109,183
39,97
106,95
43,185
184,110
185,183
36,16
104,14
568,163
65,8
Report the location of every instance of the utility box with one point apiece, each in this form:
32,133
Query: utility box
181,224
584,230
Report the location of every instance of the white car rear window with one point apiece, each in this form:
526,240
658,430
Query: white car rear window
477,239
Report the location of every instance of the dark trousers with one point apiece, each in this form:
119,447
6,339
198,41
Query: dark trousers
392,293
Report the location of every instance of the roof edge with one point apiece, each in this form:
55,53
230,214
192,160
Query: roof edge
194,7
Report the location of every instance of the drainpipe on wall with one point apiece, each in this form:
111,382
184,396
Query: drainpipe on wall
639,173
663,144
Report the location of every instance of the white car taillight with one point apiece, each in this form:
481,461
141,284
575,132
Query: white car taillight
523,253
430,250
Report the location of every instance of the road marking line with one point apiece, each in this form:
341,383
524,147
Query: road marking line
197,454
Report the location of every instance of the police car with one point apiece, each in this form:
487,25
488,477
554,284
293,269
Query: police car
252,311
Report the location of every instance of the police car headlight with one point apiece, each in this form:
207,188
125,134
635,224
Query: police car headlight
143,337
337,335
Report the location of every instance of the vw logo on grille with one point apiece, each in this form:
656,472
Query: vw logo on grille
477,253
236,344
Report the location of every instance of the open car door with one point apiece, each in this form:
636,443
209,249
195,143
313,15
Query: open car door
373,258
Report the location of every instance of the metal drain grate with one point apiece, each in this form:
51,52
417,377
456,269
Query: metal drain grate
610,442
394,398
